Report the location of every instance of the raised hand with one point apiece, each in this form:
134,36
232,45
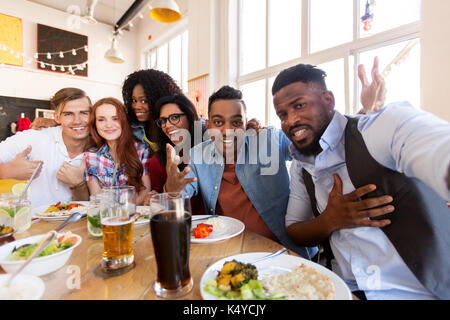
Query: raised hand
176,180
373,94
71,175
347,211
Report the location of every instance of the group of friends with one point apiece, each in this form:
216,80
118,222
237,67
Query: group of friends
366,195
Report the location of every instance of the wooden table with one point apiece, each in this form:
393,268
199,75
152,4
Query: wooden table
83,267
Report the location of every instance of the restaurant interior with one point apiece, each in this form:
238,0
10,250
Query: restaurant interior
203,45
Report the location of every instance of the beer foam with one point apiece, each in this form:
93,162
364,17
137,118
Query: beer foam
116,221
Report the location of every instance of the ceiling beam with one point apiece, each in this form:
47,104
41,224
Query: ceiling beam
129,15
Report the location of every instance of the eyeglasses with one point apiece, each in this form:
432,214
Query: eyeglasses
173,119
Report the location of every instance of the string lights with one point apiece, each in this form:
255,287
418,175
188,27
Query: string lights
49,56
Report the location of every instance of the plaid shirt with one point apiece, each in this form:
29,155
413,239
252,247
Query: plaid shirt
100,165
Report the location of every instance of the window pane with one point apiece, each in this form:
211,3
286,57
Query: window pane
335,82
400,65
331,23
175,59
162,58
254,95
185,52
388,14
152,59
273,118
253,35
284,30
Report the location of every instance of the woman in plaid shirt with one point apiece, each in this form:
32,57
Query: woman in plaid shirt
115,145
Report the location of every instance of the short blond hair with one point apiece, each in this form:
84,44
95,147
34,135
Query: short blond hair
59,100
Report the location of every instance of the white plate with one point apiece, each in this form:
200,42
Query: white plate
40,265
143,210
272,267
35,211
232,228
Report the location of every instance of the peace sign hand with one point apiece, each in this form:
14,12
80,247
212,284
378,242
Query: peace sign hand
176,180
373,94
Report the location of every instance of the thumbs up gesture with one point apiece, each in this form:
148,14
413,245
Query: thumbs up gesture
348,211
72,175
21,168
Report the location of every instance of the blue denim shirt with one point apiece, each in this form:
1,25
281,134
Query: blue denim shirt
138,130
267,189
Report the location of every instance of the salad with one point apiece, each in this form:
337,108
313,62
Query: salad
63,206
63,242
252,290
239,281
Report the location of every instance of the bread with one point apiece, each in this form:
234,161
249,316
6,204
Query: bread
303,283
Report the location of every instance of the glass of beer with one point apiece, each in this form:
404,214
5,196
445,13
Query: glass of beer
118,206
170,226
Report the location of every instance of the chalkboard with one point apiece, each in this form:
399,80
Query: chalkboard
54,41
11,109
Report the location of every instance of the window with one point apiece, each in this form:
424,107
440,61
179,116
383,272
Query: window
400,66
274,35
172,57
285,30
388,14
253,38
331,23
255,100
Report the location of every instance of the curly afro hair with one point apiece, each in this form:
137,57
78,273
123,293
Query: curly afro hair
156,84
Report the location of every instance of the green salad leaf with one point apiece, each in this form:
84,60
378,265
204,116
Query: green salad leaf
252,290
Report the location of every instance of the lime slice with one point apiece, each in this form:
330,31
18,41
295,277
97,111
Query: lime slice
22,221
18,188
93,231
23,211
7,212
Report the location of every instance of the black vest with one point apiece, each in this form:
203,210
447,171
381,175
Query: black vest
420,224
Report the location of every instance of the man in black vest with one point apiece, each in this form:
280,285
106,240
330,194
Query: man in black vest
375,186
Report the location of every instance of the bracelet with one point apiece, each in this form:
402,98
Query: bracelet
78,185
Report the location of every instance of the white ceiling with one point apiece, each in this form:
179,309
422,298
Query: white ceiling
106,11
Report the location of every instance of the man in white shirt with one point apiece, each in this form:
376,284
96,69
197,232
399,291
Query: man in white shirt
59,148
393,244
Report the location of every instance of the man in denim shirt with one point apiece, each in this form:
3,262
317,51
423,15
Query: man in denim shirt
244,177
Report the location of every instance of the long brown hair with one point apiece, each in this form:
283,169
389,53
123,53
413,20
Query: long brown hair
126,151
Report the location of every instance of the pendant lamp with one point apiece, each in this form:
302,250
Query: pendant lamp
166,11
113,54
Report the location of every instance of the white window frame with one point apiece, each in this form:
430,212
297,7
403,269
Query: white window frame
345,51
171,34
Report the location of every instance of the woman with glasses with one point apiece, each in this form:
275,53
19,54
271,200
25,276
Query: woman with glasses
176,117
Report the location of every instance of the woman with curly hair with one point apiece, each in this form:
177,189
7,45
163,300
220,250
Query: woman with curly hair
140,92
115,150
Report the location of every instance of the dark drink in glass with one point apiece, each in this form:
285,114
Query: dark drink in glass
171,242
170,226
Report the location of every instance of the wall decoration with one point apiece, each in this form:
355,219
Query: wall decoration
198,92
11,40
62,51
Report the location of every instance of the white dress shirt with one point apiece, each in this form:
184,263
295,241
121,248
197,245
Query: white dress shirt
47,146
400,138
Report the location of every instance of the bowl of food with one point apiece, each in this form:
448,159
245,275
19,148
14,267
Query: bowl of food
14,254
23,287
